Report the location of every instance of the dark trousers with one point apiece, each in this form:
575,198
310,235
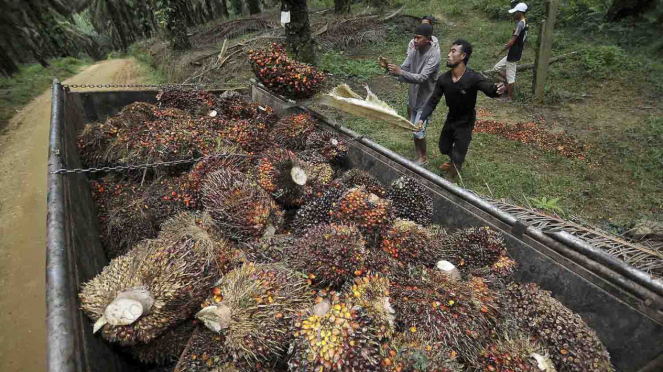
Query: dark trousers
455,141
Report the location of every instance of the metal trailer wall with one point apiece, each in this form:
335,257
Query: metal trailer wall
625,314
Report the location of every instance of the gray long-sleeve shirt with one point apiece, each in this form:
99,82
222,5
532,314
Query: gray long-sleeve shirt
420,70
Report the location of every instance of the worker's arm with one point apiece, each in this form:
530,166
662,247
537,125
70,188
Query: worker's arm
432,66
434,99
489,88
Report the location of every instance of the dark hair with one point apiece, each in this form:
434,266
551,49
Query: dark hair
466,48
429,18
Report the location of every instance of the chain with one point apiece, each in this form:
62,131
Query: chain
74,86
143,166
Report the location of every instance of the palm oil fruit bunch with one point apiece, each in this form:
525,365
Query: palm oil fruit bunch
336,335
444,311
471,249
410,200
250,134
157,284
204,352
357,177
372,293
237,108
318,210
329,254
194,102
238,206
129,212
252,308
280,74
167,348
284,176
229,157
372,214
291,132
572,345
268,249
415,353
409,243
512,354
331,146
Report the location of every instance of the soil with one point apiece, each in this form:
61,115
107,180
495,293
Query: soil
23,159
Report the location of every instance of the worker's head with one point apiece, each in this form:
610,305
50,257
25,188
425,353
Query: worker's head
460,52
519,10
423,35
428,20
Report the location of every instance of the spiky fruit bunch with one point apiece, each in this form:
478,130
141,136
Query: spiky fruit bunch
236,108
357,177
444,311
372,293
318,210
158,284
230,157
268,250
472,248
292,131
204,352
96,137
251,308
250,134
572,345
336,335
410,200
409,243
329,254
167,348
284,176
331,146
239,207
509,354
370,213
284,76
129,212
194,102
408,352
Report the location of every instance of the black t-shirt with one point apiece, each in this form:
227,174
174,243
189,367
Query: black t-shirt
461,96
516,51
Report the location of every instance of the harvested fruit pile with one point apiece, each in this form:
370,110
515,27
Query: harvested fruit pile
535,134
272,255
280,74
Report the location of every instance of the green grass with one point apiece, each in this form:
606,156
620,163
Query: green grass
31,81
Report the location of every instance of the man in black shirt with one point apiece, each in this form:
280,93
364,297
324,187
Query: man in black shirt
459,87
507,66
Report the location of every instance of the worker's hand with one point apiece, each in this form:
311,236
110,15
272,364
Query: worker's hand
383,62
395,69
497,54
420,124
501,88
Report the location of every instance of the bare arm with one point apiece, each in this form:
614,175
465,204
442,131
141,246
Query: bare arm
433,100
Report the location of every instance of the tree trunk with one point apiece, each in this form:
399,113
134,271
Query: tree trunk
7,65
240,7
222,8
298,31
176,25
254,6
342,6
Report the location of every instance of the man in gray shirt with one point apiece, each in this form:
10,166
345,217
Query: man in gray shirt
420,70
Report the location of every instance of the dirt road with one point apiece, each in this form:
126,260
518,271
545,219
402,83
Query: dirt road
23,158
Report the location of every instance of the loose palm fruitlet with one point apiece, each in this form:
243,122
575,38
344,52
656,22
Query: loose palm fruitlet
157,284
280,74
167,348
292,132
572,345
331,146
252,307
471,249
329,254
370,213
239,207
410,200
409,243
336,335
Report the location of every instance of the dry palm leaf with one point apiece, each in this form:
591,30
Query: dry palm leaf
344,99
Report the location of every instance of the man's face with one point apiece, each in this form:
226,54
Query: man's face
455,56
518,15
420,41
425,22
